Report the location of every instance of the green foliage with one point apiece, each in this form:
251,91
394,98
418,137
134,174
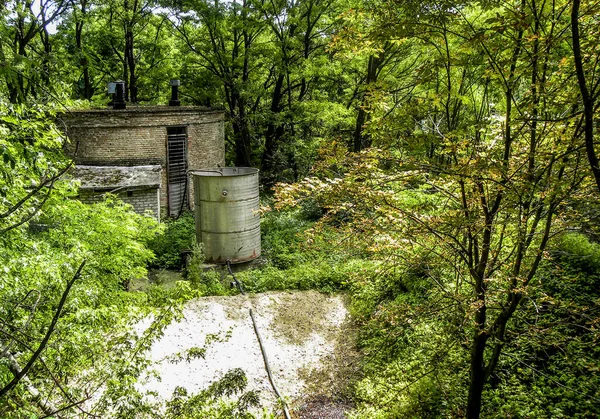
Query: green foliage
108,231
177,235
320,275
281,235
409,338
30,145
291,264
95,331
576,252
551,368
205,405
180,291
206,281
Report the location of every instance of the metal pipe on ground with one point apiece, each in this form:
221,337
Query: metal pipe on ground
286,412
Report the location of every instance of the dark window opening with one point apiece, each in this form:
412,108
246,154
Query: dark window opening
177,170
129,193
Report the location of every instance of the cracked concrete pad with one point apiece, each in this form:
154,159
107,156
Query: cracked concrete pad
303,333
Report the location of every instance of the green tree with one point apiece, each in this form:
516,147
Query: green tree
26,43
485,205
223,36
296,29
587,78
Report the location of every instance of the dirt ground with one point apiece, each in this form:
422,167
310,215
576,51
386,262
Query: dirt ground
308,336
321,407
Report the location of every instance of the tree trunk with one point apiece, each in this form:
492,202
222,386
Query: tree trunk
588,100
133,88
126,76
129,58
16,86
360,140
45,37
477,368
274,128
83,62
242,144
241,131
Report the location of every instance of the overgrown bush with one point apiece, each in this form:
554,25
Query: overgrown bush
206,281
319,275
291,263
177,235
281,236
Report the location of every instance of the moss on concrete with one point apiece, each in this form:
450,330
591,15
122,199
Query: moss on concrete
299,315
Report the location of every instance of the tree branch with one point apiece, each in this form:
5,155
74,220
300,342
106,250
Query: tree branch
46,338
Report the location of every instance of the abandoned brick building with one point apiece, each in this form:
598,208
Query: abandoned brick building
142,154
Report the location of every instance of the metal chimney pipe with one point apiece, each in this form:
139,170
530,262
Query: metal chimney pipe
174,93
111,90
119,100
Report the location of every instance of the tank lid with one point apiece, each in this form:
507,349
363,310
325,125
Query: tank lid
224,171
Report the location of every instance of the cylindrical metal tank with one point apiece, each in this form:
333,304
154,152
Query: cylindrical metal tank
226,207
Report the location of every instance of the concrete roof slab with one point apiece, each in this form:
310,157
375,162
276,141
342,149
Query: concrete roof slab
112,177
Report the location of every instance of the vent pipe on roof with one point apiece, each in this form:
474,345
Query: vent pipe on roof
174,93
119,96
111,90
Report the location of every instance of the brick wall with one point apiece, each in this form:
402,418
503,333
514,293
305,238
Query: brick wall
141,200
138,136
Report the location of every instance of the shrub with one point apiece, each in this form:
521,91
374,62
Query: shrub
578,252
206,281
281,238
178,235
320,275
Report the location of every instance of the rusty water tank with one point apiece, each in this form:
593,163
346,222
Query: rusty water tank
226,208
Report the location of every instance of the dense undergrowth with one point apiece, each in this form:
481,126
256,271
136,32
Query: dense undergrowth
176,237
413,338
411,335
296,259
415,352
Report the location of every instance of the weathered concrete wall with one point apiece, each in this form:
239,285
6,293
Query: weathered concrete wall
142,200
138,136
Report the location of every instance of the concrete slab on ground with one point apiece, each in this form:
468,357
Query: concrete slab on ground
307,335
